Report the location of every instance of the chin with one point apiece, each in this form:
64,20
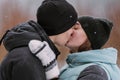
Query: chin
68,45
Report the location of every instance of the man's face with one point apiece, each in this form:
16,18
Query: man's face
63,38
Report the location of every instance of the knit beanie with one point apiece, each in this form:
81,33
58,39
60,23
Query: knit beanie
97,30
56,16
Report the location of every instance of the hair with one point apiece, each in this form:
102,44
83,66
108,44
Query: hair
84,47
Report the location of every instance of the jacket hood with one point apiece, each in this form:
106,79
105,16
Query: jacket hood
20,35
107,55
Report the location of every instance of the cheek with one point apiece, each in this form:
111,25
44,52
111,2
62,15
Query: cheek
76,40
62,40
67,36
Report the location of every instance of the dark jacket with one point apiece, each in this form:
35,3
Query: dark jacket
19,63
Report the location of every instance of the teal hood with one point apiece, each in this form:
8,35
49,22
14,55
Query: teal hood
77,62
107,55
106,58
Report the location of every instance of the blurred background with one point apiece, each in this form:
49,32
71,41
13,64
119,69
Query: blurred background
13,12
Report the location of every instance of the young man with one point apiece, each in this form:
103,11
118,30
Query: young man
55,19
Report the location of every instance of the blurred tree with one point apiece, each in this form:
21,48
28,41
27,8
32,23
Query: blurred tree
12,13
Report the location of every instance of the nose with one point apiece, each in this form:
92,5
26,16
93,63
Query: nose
72,31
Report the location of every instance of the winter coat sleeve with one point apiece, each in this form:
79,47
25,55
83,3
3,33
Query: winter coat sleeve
27,67
93,72
19,64
23,71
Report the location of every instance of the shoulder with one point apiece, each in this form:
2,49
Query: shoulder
21,57
22,63
93,72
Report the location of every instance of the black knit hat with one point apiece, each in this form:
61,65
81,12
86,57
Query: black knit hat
56,16
97,30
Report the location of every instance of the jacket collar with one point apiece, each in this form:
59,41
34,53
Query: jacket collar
107,55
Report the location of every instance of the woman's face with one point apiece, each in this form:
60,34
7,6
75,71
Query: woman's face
78,37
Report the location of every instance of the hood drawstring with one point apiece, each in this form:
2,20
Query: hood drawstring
3,37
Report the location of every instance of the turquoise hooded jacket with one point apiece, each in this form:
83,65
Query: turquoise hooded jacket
77,62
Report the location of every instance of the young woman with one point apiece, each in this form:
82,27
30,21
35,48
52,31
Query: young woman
87,61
